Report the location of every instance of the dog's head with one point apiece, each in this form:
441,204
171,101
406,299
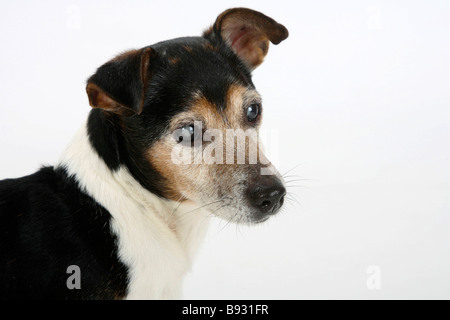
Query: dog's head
183,115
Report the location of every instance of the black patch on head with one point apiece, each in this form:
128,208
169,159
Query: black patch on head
199,69
203,66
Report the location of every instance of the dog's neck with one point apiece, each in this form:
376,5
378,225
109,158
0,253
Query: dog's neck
156,236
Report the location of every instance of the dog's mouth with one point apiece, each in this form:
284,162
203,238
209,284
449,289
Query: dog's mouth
255,205
262,220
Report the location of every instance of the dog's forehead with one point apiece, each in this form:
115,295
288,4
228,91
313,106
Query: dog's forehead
194,65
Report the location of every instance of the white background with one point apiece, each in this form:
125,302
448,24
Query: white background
358,96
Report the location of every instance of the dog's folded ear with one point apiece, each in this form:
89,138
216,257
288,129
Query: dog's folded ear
119,85
248,32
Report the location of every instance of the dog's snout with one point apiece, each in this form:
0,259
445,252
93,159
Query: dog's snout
267,196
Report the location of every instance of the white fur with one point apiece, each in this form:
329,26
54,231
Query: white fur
157,238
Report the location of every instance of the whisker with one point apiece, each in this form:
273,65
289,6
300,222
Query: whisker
208,204
292,197
237,228
211,214
179,204
228,222
238,225
290,201
291,176
298,165
298,187
295,180
301,179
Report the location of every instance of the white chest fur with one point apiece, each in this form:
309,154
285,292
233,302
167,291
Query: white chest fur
157,238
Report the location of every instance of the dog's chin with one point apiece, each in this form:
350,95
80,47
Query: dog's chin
260,220
243,218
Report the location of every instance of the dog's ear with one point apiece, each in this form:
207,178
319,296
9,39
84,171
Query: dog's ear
248,33
119,85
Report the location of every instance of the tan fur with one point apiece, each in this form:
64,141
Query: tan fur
209,46
174,60
219,185
187,48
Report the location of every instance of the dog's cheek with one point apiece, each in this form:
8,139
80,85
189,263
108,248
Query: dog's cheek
181,181
160,157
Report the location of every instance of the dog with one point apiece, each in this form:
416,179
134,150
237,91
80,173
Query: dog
120,215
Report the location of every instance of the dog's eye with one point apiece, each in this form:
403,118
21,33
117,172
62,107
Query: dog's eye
187,134
253,111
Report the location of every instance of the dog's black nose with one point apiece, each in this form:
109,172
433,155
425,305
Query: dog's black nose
267,196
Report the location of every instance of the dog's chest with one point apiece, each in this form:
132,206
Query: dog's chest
157,253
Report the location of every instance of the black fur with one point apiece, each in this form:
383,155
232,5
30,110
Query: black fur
48,224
